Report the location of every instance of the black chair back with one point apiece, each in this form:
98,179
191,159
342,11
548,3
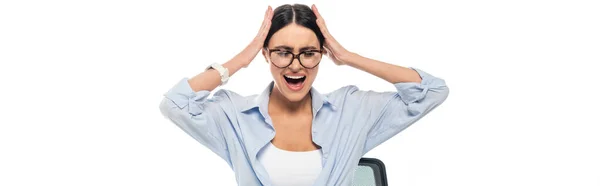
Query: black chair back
370,172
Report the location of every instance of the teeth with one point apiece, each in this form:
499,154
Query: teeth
294,77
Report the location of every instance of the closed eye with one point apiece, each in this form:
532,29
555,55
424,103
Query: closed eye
282,53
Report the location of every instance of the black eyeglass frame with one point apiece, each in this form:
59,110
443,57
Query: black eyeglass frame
294,56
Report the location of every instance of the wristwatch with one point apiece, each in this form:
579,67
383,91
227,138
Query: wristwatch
222,71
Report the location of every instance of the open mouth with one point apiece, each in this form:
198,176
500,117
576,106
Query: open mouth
294,82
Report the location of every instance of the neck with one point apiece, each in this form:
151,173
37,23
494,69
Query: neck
281,104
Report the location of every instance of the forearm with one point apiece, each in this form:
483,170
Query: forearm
211,79
389,72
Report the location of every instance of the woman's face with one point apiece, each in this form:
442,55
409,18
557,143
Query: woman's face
293,82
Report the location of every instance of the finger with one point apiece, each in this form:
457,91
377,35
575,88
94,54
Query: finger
331,49
266,17
330,54
323,28
269,16
325,51
321,22
316,11
266,29
267,12
318,15
266,25
328,49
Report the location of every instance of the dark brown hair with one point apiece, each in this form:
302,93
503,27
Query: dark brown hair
297,13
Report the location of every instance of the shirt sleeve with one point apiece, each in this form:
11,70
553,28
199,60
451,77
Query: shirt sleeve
391,112
197,115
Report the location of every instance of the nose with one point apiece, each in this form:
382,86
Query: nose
295,66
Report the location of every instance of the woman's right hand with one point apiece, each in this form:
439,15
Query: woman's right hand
210,79
250,52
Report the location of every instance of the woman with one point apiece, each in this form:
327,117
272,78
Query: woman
291,134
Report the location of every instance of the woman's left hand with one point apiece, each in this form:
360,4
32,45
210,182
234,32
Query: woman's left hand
333,49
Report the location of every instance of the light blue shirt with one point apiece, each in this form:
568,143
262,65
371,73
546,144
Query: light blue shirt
347,123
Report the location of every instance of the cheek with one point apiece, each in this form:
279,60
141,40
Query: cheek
276,72
314,72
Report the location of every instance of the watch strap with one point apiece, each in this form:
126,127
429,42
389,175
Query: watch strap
223,72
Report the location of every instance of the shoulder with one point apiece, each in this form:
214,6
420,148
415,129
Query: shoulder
348,89
338,96
233,100
235,97
354,93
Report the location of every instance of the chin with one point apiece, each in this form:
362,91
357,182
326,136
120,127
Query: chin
295,96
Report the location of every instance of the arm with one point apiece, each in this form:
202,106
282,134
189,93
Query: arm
187,104
341,56
417,93
389,72
392,112
382,115
197,115
210,79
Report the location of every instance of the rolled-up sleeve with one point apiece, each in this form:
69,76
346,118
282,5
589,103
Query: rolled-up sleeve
397,111
195,114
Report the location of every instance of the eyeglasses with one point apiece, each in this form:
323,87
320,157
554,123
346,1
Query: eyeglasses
283,58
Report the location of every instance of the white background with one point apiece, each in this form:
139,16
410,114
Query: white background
81,82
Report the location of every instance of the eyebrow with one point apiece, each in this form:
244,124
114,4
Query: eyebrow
292,48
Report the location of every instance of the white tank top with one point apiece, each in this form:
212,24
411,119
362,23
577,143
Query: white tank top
290,168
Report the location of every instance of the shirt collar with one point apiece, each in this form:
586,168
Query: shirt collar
262,101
